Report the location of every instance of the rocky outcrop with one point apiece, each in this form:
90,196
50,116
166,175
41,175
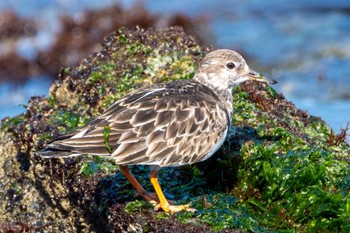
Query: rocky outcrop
280,168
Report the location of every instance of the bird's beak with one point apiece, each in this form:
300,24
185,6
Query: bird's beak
252,75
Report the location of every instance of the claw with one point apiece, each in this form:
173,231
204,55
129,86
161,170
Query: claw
173,209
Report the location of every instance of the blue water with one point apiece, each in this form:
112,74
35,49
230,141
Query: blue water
304,45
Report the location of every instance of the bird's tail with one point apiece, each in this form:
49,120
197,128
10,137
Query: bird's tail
56,151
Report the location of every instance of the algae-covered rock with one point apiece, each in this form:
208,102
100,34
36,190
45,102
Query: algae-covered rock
279,169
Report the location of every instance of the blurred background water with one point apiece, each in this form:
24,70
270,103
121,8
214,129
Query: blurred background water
305,45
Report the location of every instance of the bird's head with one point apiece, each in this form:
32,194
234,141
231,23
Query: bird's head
222,69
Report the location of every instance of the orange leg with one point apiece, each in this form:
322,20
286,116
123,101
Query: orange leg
150,197
163,202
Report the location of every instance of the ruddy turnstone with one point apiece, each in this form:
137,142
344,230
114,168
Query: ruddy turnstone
168,124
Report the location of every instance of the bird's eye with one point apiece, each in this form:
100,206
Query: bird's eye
230,65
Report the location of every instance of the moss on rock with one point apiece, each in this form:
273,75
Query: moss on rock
280,168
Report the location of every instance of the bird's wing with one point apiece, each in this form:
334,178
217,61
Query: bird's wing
162,125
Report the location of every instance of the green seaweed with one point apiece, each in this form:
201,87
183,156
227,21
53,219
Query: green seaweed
11,122
104,72
161,215
98,163
68,120
106,133
89,168
137,206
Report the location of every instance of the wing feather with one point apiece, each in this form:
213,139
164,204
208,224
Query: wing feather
158,126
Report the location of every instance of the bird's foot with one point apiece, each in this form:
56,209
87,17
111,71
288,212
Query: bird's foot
173,209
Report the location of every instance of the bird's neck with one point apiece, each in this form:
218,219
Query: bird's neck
218,85
221,89
228,103
226,99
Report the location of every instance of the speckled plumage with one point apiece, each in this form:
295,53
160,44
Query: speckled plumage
169,124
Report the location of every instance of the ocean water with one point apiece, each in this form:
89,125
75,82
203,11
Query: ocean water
303,45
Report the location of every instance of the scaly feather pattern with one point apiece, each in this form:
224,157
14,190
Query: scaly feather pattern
167,124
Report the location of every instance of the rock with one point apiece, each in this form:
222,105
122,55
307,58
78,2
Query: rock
275,159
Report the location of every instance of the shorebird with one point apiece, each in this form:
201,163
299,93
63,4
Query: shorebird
169,124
